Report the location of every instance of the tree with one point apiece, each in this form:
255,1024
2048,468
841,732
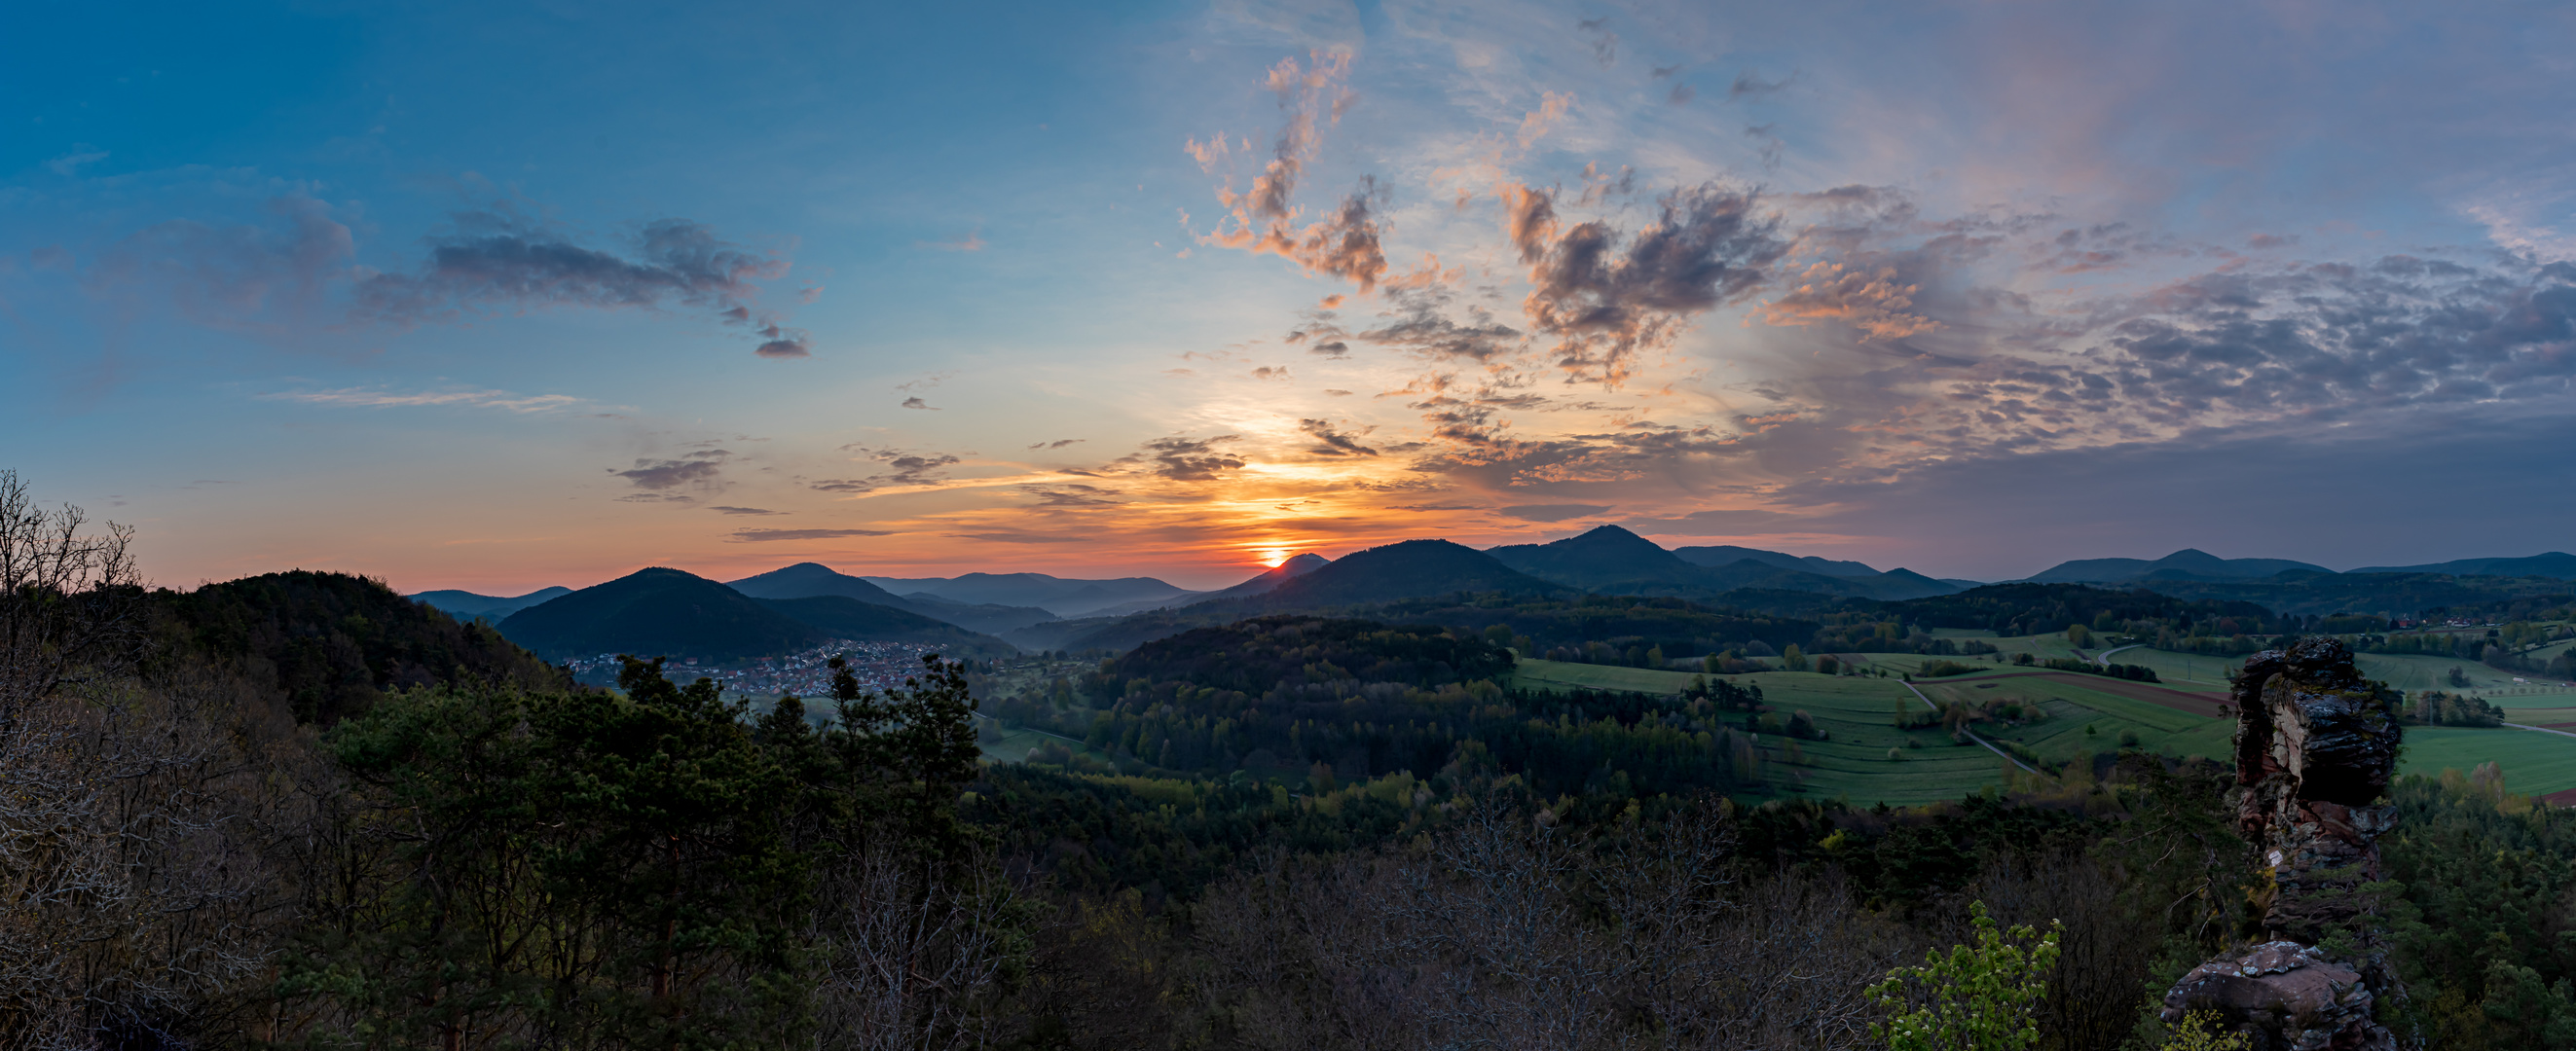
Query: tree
560,869
2079,636
1792,659
1978,998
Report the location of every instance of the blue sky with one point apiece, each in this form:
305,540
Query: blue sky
504,296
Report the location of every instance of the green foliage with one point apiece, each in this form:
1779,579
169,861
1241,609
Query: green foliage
2199,1031
585,869
1256,655
328,644
2436,708
1977,998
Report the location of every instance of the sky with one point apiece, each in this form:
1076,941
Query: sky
500,296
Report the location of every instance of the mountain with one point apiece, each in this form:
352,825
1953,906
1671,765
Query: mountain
1261,583
1612,560
2556,564
1729,554
1411,569
1057,595
809,579
1297,565
1599,559
843,617
659,612
324,646
2186,564
466,605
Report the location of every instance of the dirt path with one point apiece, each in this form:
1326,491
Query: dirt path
2193,703
1972,735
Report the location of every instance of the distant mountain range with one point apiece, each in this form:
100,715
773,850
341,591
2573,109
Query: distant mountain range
1056,595
808,579
1613,560
671,612
2186,564
2556,564
2192,564
466,605
667,612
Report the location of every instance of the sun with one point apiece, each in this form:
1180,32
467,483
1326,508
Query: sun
1273,556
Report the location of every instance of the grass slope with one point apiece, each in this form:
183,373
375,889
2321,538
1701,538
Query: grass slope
2534,763
1859,713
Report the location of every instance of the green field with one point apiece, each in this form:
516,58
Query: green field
2534,763
1859,715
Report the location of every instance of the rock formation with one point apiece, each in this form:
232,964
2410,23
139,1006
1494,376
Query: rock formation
2316,745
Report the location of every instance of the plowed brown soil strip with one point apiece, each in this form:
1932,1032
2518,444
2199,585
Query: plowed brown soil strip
2560,798
2194,703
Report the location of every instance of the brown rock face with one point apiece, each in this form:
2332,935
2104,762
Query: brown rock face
2316,745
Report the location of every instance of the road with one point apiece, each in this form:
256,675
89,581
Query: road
2540,729
1972,735
2104,659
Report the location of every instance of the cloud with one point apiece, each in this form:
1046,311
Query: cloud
1059,443
270,276
1329,442
1605,44
1070,495
1870,301
1184,459
917,403
1013,536
70,164
355,397
907,469
1609,297
1551,512
1268,372
780,342
697,468
1424,330
1750,85
491,261
762,536
1336,392
1537,123
1347,241
720,509
1725,522
972,242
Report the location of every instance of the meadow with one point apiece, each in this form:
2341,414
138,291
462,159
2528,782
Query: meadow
1859,714
1868,759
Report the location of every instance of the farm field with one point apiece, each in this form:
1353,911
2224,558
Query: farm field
2534,763
1859,715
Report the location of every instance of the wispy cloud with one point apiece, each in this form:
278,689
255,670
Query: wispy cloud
357,397
702,468
763,536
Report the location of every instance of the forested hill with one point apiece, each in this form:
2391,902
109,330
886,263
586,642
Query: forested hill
2027,609
1254,655
1322,701
326,645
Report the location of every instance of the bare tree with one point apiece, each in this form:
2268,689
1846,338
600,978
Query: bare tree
70,609
1504,932
136,899
906,956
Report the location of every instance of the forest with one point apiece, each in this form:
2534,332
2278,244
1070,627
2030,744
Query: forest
299,811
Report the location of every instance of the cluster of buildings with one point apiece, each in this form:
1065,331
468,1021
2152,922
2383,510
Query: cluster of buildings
807,674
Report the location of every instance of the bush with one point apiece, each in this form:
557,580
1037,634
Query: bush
1937,669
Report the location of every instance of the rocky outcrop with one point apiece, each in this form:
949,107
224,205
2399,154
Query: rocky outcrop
2316,745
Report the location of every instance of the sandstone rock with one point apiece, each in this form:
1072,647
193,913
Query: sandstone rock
2316,745
2289,995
